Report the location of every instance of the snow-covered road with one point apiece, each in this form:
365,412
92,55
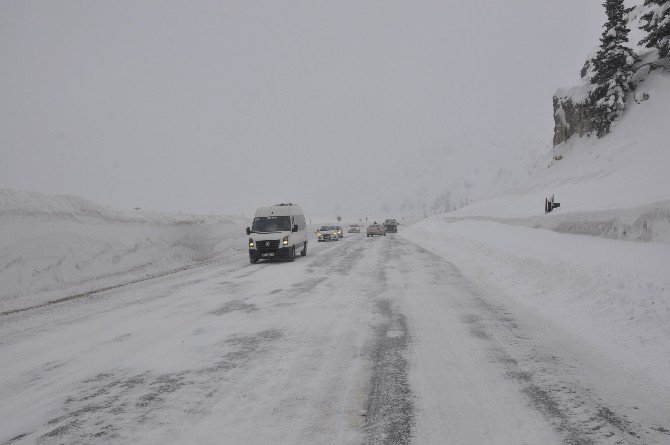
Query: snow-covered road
365,340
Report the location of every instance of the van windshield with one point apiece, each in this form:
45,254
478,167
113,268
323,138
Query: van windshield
271,224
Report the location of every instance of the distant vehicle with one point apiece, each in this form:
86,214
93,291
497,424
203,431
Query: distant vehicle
391,225
376,229
340,232
354,228
327,233
277,232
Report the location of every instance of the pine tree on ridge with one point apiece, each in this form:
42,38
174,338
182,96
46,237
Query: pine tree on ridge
656,22
613,67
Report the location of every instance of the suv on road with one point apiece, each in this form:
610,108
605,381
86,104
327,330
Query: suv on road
391,225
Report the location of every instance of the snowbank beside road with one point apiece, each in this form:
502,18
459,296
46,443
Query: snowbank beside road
649,222
613,295
68,244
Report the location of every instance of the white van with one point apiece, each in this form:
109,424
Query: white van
276,232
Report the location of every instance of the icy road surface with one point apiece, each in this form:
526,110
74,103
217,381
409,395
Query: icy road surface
365,340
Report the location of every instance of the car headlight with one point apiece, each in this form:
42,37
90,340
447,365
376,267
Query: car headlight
318,233
285,240
251,242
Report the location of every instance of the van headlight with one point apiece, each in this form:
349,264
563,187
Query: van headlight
251,242
285,240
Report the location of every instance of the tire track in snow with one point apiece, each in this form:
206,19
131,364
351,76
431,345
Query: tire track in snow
116,405
549,384
390,408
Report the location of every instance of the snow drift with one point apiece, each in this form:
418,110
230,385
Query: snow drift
65,243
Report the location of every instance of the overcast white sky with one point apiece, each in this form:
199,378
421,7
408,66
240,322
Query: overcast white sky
222,106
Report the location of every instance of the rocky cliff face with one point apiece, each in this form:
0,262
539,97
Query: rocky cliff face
571,117
572,112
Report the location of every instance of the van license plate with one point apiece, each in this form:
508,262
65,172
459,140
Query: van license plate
269,254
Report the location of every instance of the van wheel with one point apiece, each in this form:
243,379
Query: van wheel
291,255
253,259
303,252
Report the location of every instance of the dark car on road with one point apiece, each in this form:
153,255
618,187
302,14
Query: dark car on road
391,225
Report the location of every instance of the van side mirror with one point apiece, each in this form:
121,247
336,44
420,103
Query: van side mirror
248,231
295,228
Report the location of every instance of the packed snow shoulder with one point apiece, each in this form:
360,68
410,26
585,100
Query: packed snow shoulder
54,245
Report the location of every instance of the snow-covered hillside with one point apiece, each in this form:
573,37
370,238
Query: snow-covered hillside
622,175
52,245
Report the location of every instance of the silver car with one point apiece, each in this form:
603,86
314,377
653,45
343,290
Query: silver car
327,233
354,228
376,229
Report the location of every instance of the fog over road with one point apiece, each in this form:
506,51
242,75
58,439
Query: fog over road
364,340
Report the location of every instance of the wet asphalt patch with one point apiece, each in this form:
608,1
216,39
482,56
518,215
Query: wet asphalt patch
389,412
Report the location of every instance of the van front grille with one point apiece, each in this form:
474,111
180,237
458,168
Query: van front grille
267,246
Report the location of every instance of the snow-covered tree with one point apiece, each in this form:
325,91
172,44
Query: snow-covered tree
613,67
656,22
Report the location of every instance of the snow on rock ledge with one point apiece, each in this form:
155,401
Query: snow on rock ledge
572,114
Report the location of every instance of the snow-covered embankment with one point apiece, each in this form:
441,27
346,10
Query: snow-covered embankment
52,246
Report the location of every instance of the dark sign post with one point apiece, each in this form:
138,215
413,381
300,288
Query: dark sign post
550,205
